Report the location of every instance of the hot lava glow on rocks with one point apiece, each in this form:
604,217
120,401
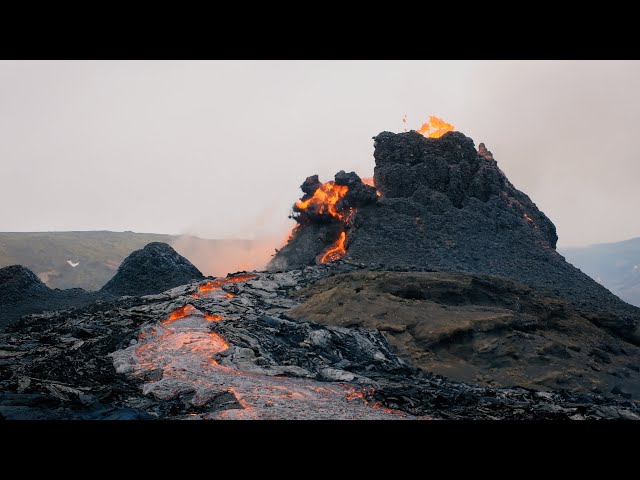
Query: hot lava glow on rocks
336,250
180,358
213,285
324,200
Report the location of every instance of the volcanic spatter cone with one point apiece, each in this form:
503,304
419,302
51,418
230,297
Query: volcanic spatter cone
444,205
150,270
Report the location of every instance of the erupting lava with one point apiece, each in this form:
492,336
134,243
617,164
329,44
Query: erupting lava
435,128
324,200
335,251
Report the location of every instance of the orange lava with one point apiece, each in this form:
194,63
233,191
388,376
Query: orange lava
178,314
212,318
229,295
237,278
210,286
324,200
335,251
364,394
435,128
194,295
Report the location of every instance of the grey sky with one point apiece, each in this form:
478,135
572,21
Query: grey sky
219,149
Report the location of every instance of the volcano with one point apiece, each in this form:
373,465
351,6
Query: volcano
432,290
441,205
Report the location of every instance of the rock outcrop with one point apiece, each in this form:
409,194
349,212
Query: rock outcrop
478,329
445,206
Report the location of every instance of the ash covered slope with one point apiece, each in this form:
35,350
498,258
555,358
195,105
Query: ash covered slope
153,269
22,293
445,206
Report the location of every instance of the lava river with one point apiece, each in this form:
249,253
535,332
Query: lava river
176,359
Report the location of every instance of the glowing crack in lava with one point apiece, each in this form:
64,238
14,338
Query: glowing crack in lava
178,314
435,128
213,285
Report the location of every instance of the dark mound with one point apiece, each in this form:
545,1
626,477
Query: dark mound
153,269
478,329
22,293
16,281
445,206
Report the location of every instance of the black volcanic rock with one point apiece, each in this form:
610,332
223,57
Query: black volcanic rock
153,269
22,293
446,206
17,281
118,359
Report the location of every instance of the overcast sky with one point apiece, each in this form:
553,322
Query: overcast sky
219,149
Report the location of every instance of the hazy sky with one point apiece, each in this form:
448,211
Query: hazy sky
219,149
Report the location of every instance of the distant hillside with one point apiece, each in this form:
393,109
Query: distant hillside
614,265
97,255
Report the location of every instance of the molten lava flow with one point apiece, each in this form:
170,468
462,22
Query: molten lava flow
229,295
178,314
324,200
212,318
336,250
237,278
435,128
210,286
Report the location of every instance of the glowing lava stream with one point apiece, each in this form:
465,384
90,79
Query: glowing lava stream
175,358
335,251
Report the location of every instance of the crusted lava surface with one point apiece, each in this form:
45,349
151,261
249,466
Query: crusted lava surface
235,352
